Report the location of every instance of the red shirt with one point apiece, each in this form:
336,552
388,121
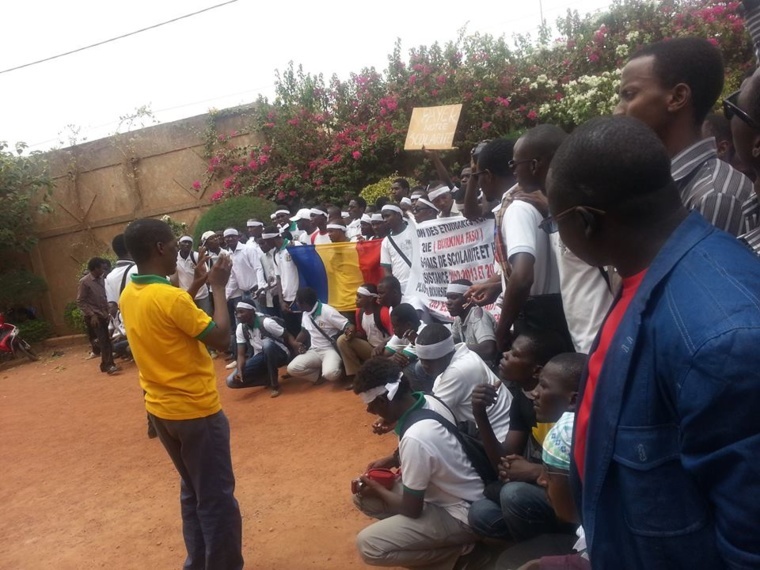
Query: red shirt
630,286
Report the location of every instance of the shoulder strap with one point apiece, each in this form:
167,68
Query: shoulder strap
124,277
401,253
323,333
483,470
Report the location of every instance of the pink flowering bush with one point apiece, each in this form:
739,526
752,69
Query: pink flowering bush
327,139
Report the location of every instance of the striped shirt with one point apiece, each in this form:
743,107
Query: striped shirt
712,187
751,211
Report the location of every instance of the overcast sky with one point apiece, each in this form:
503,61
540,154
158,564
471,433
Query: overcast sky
221,58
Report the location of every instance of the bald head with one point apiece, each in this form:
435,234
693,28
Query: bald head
543,140
533,154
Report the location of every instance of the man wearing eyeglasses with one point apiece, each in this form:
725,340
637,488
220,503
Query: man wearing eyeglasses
532,294
664,465
671,86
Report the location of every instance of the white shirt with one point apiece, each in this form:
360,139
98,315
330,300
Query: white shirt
329,320
403,345
586,296
114,279
317,238
374,335
433,460
354,229
254,334
286,269
243,274
186,273
389,257
265,275
454,386
524,236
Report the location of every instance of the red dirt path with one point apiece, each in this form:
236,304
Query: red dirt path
83,487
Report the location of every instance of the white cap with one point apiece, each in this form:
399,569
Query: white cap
366,219
377,217
207,235
302,214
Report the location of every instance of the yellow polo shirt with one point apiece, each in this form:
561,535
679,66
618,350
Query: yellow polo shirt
164,328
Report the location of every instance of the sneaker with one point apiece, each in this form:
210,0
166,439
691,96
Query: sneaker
113,369
274,393
91,356
231,365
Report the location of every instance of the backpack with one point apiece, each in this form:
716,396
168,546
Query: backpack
266,334
472,446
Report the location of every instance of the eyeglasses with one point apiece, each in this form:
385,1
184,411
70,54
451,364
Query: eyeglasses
550,225
512,164
731,108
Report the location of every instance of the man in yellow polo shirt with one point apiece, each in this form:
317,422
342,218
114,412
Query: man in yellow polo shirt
167,333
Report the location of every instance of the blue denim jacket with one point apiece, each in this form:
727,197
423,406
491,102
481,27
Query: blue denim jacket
673,456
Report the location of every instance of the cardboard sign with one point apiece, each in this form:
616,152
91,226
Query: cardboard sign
432,127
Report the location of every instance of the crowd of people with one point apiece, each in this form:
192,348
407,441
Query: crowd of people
606,419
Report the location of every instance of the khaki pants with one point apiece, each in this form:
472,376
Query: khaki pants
354,352
433,541
314,363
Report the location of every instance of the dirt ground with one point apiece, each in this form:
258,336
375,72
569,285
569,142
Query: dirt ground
83,487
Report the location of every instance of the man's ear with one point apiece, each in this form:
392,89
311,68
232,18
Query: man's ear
572,401
680,97
756,147
724,147
537,370
590,221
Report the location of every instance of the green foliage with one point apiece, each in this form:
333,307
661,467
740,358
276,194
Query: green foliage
22,179
382,187
35,330
325,138
234,213
74,318
20,288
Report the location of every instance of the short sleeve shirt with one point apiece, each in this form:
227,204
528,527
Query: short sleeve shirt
255,338
390,257
328,320
164,328
434,464
478,326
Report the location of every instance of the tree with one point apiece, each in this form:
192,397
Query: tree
24,188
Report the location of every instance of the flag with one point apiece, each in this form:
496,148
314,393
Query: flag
336,270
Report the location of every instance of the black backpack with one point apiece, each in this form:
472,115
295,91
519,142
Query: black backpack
472,446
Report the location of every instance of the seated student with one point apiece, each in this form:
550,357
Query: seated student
270,343
118,333
553,549
424,517
523,511
456,370
400,347
373,329
472,325
320,326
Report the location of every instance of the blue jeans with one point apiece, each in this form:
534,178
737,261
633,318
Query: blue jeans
231,304
261,368
211,523
524,513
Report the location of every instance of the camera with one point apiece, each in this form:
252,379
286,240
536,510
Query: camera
357,485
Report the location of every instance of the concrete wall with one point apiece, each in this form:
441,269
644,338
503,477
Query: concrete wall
102,185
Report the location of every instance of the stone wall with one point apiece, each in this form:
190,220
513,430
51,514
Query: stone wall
102,185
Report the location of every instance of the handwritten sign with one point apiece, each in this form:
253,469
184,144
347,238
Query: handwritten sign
432,127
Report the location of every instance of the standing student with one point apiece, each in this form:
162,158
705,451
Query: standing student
91,300
167,333
397,249
287,282
124,268
187,259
